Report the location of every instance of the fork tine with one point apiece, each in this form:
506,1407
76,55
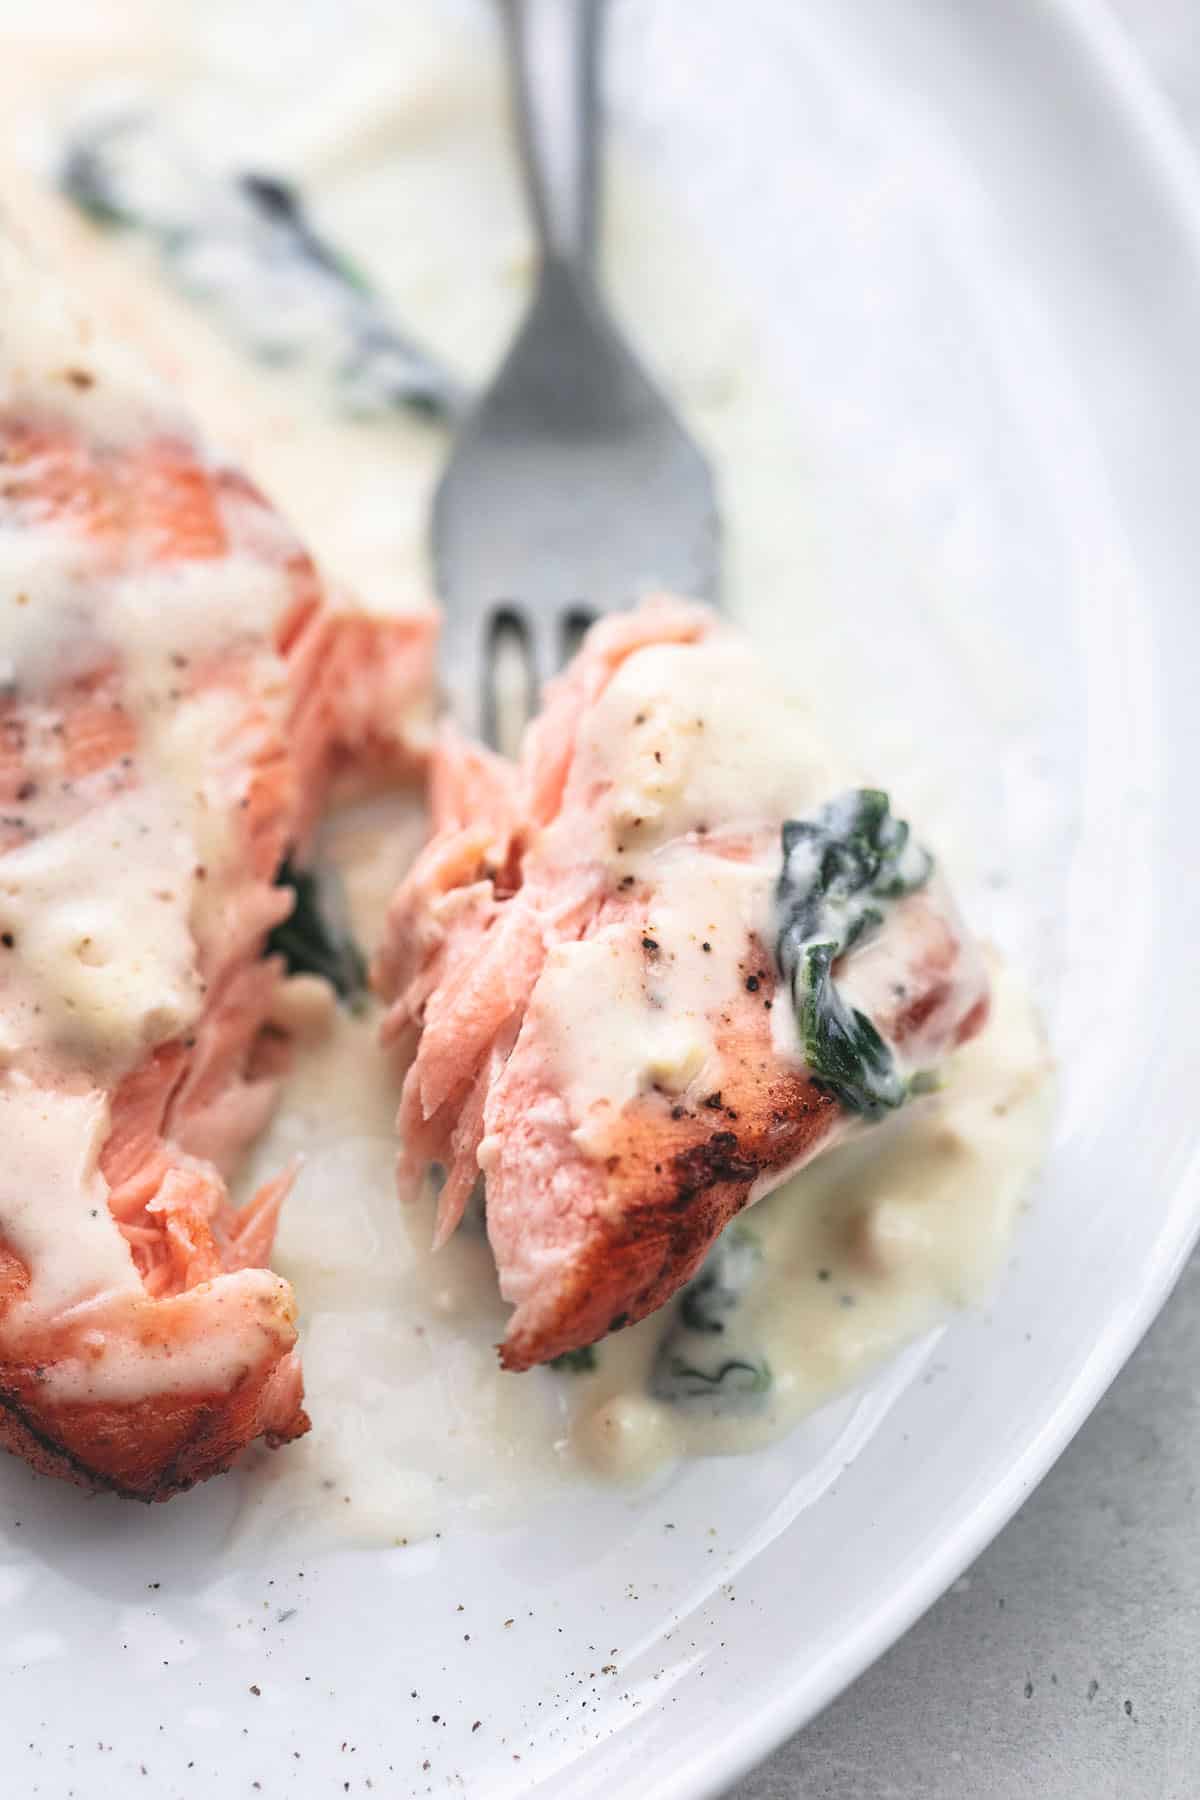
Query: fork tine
473,654
544,650
463,663
577,621
572,475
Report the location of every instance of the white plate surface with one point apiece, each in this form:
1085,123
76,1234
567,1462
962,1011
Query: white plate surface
971,244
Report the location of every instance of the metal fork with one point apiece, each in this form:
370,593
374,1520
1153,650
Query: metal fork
572,486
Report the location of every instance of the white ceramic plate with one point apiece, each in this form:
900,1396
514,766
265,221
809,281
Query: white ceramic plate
971,244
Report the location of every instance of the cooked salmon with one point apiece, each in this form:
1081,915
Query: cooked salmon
177,691
611,1014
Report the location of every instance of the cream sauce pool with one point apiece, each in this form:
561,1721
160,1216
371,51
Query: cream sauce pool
390,121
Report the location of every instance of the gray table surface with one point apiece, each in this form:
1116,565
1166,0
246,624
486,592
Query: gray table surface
1066,1664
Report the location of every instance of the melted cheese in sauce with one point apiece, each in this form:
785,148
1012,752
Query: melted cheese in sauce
409,171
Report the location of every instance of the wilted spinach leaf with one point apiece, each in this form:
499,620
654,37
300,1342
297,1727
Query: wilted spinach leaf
842,869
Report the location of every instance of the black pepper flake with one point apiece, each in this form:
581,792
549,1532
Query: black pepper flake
256,1690
650,946
706,947
7,939
823,1274
678,1112
27,790
626,881
752,984
714,1101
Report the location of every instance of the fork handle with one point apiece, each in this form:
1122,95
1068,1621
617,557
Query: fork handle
553,53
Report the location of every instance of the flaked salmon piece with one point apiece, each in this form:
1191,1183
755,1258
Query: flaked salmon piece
584,964
177,693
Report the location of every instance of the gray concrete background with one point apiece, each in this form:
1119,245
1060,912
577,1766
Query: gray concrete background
1066,1664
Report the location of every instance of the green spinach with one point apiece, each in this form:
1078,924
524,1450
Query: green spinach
697,1359
842,870
245,247
310,944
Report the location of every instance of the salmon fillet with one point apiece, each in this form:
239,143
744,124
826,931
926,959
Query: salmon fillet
177,692
584,968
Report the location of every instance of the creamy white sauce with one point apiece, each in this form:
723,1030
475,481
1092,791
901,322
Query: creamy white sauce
123,1354
687,741
617,1022
98,962
105,911
870,1246
699,736
416,1425
54,1216
206,606
390,120
190,748
126,890
47,624
47,342
54,1201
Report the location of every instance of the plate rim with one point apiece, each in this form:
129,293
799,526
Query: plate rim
1157,136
